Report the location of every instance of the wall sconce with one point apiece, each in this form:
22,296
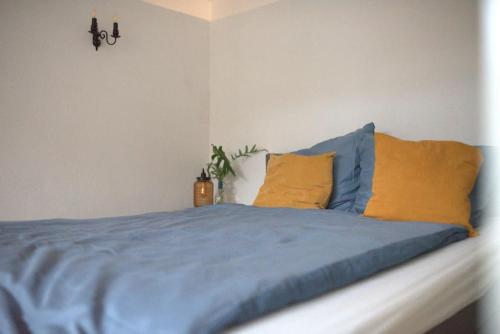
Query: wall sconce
103,34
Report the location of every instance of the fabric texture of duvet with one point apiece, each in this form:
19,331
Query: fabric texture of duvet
193,271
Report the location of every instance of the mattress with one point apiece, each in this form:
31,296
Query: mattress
193,271
411,298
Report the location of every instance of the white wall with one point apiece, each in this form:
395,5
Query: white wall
84,133
295,72
125,129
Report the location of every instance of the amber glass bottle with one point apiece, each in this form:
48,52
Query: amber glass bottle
203,191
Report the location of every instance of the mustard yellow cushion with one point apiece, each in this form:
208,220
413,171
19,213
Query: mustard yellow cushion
296,181
427,181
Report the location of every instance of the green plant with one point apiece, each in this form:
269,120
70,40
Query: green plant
220,164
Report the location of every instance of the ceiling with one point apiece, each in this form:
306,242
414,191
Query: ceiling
210,10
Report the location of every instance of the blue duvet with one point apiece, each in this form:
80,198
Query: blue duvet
194,271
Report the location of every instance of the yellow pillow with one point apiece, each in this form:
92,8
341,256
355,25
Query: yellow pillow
428,181
296,181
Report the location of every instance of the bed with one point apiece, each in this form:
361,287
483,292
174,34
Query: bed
435,293
220,268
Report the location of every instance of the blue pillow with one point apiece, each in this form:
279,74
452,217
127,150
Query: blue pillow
351,150
481,195
367,163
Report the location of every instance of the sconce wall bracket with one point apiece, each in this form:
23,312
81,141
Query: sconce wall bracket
97,35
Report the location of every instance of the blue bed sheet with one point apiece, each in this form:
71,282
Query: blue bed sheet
194,271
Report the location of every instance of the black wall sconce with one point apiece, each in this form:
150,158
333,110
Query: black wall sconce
103,34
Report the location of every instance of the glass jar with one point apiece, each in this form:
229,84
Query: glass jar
203,193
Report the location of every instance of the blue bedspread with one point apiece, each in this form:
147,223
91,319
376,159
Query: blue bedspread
194,271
